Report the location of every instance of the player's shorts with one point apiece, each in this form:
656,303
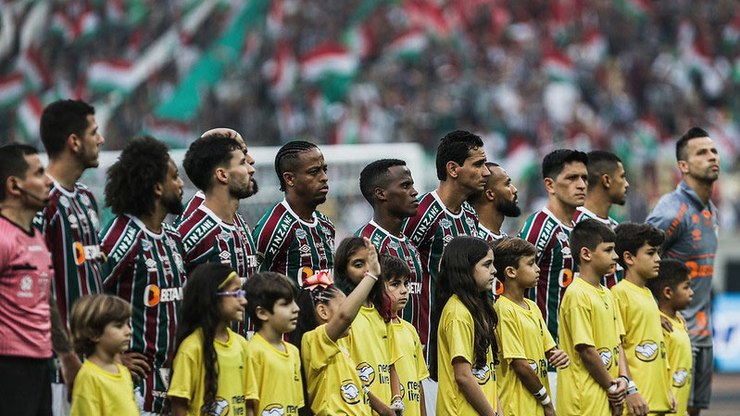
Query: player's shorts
430,395
25,385
701,380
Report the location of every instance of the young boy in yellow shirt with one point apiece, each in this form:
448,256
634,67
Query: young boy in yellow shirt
672,289
274,364
590,328
637,248
525,343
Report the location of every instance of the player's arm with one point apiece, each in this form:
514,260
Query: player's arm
636,404
469,387
595,367
62,346
378,406
530,380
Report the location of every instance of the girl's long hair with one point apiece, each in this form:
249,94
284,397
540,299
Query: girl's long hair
378,296
456,278
200,309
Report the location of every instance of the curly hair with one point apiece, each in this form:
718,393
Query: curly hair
129,186
200,309
89,317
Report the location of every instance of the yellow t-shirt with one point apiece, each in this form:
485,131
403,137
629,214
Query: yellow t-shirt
643,344
521,333
455,338
588,316
278,377
334,388
188,375
678,345
410,365
98,392
369,348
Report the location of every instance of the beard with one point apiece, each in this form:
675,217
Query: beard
173,204
245,191
508,208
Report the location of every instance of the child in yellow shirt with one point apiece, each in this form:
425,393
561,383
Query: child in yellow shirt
672,289
525,343
274,364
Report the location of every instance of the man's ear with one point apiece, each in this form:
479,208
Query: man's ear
489,195
549,185
74,143
451,167
606,181
289,178
379,194
221,175
683,166
158,190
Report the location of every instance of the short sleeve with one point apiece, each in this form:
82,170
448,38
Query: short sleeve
183,379
253,364
511,335
460,337
84,396
318,349
578,319
421,365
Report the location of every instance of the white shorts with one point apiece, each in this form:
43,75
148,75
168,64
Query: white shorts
430,395
60,406
552,378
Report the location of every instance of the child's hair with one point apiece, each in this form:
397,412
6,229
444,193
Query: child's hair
307,300
200,309
507,253
631,236
589,234
264,290
672,273
456,277
90,314
346,249
391,267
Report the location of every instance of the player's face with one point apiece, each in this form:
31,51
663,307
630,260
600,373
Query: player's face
528,271
504,192
647,262
172,190
310,180
284,316
35,186
604,258
682,295
400,192
484,272
357,265
702,161
241,175
115,338
397,288
90,143
231,308
619,185
473,174
569,187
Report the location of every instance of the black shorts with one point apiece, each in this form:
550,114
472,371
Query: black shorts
25,384
701,380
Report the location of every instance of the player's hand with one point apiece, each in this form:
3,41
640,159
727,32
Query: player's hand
617,409
137,363
636,405
372,258
666,323
616,396
398,407
558,358
549,410
70,364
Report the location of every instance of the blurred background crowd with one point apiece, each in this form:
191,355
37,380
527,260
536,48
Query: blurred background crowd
527,75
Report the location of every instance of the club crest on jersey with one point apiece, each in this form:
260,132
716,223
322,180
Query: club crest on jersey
482,374
273,409
145,245
366,373
153,295
606,357
350,392
393,245
445,223
218,407
300,233
680,377
72,221
470,222
85,199
63,201
647,350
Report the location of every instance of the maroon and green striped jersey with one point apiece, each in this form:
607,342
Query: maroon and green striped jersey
195,201
295,248
70,225
430,230
206,238
551,238
583,213
400,247
146,269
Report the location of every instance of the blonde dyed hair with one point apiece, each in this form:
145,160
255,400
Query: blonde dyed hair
90,314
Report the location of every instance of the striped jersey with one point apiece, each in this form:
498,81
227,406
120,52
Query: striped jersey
488,235
430,230
583,213
197,200
206,238
691,230
147,270
400,247
296,248
551,239
70,225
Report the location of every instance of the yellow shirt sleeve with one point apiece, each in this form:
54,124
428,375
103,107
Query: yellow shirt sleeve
460,338
579,315
183,382
511,335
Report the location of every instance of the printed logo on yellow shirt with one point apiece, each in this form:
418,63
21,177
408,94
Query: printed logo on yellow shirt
606,357
482,374
366,373
273,409
680,377
647,350
350,392
218,407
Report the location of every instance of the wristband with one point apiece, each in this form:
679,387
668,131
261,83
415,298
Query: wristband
631,388
540,395
371,275
626,379
366,389
546,401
